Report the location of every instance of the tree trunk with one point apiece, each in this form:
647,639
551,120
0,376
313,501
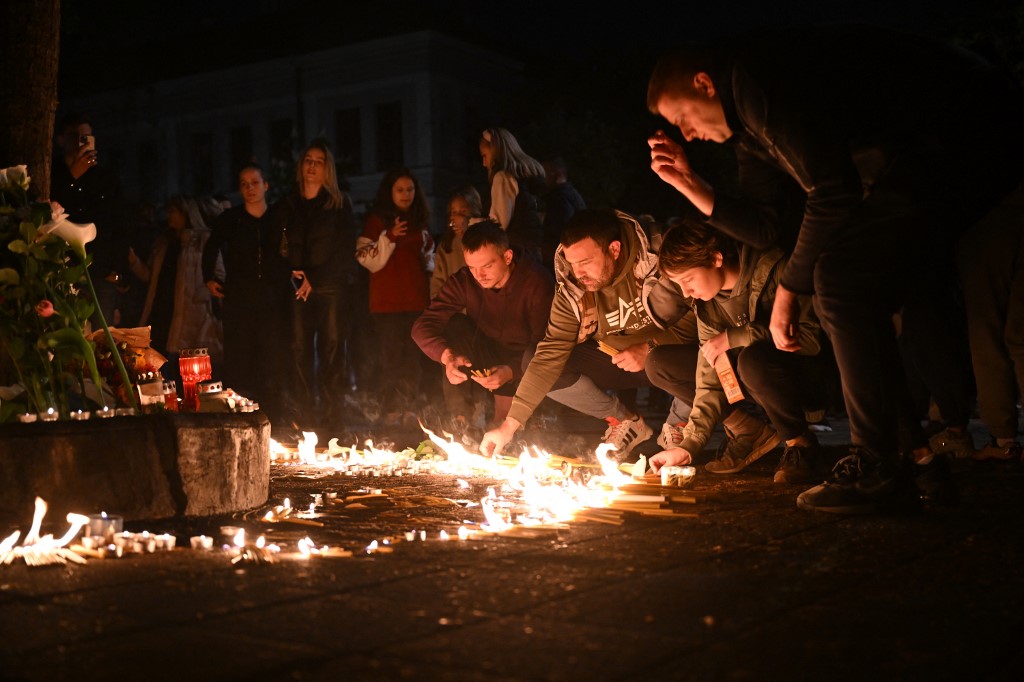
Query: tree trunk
29,50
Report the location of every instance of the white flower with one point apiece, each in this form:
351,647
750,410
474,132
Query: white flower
77,236
15,176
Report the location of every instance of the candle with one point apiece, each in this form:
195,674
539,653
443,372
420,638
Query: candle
165,542
104,413
104,525
201,542
50,415
27,418
79,415
125,412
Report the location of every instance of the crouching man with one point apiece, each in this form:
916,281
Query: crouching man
482,321
599,332
733,289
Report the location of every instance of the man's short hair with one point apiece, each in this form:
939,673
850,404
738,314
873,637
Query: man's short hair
693,245
483,233
601,225
252,165
73,119
674,72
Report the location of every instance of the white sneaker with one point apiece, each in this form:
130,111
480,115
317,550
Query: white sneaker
626,434
671,436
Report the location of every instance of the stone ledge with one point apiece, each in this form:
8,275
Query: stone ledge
148,467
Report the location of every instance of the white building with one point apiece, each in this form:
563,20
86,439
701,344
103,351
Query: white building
418,100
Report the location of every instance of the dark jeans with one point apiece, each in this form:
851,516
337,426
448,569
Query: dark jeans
590,361
773,379
673,368
255,345
991,259
399,361
315,350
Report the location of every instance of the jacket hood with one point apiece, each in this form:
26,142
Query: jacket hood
635,250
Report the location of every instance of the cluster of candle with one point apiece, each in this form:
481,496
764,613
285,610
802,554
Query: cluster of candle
127,543
52,415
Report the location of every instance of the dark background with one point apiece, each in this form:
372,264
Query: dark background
586,67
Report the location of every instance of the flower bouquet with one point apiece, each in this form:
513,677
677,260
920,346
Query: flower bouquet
46,296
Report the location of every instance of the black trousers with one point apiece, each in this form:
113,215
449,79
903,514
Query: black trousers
464,338
316,364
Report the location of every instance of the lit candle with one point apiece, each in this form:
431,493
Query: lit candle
201,542
79,415
27,418
104,525
50,415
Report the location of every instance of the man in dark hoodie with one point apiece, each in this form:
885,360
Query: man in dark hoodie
887,134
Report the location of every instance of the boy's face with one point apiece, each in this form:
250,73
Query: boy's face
252,186
702,282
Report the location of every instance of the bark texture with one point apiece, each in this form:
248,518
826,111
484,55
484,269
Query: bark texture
29,51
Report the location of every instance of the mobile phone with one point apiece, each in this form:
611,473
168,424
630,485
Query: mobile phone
296,283
87,143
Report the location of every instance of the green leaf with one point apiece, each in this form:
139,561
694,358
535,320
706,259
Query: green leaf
18,246
9,276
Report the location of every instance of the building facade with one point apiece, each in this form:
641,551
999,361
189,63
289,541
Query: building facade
418,100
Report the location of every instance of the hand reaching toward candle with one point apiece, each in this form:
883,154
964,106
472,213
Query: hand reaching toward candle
670,457
495,440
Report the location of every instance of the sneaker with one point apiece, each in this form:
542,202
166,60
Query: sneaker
935,483
995,452
671,435
947,442
797,464
860,484
626,435
738,451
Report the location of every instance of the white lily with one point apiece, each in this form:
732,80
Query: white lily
77,236
15,176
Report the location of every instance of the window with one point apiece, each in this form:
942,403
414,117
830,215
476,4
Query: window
282,140
241,150
389,136
348,141
202,163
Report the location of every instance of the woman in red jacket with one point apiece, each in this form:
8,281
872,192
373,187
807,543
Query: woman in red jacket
396,247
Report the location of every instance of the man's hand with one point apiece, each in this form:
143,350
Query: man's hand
670,457
785,322
305,289
494,441
632,358
715,346
670,163
496,378
451,363
84,160
216,288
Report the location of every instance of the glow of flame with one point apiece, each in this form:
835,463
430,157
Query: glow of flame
44,550
239,538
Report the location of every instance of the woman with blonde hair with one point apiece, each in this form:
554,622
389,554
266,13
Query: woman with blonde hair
319,237
511,171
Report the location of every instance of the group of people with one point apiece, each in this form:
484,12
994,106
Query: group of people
860,213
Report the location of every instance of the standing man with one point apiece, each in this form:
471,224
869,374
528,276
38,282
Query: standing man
254,291
899,143
506,299
90,193
600,330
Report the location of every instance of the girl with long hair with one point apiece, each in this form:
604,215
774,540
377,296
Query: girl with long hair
511,172
396,247
463,206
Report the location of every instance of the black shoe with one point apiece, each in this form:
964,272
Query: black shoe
797,464
861,483
935,483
